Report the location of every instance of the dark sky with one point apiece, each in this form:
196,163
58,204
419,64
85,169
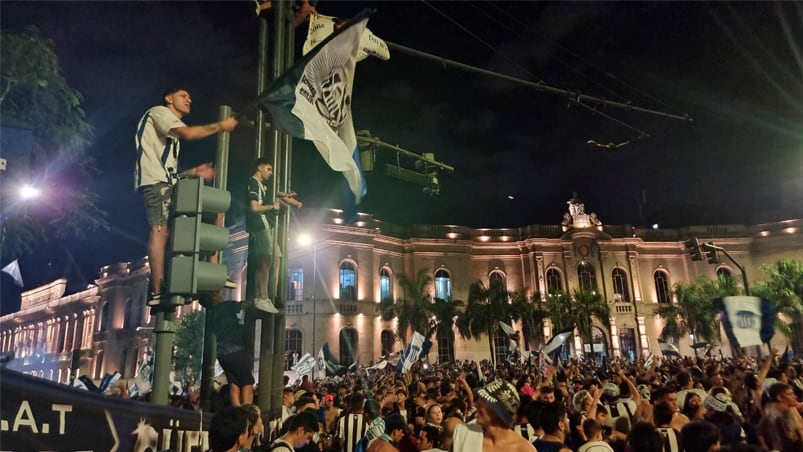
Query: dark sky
735,68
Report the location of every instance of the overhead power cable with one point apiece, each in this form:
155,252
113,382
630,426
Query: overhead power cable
575,97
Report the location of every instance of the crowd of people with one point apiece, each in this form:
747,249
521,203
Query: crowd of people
670,405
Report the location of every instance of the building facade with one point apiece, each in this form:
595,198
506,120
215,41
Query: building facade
338,279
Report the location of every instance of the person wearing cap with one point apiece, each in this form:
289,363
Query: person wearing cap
496,404
395,430
331,413
721,411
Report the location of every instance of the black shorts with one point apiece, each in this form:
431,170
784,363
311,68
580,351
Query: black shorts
236,367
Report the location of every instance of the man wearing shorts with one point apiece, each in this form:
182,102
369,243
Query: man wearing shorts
262,249
231,351
157,141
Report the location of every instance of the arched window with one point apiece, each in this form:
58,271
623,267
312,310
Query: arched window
620,291
385,285
445,347
554,282
662,292
443,285
501,345
586,276
106,316
292,340
348,282
497,282
724,272
348,346
388,339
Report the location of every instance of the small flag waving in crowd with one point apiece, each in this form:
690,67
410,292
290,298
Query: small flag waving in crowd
304,365
312,101
668,349
13,270
558,340
747,320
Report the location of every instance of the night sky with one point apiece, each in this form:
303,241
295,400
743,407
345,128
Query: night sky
735,68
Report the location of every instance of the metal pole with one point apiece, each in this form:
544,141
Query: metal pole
210,339
165,330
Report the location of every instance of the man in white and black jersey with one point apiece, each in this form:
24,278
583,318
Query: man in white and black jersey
260,216
158,145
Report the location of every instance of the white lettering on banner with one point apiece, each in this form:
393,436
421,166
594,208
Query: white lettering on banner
25,418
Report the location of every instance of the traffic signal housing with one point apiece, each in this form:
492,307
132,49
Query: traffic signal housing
711,253
191,239
693,248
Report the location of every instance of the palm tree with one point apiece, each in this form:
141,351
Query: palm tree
532,316
578,309
445,312
785,289
694,313
484,309
414,307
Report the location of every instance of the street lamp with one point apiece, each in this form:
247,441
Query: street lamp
306,240
28,192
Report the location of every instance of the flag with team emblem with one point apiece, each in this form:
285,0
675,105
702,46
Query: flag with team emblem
747,320
312,101
320,27
304,365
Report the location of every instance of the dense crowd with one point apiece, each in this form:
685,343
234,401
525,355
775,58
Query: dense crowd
670,405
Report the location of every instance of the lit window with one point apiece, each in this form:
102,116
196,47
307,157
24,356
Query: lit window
619,278
586,276
385,288
348,282
554,283
662,292
295,284
348,346
443,285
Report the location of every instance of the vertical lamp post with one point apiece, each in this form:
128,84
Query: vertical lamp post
306,240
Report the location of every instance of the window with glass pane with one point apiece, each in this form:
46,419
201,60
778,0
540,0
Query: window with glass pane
105,317
385,289
295,286
554,283
501,346
662,292
445,347
586,276
620,284
348,346
292,340
348,282
388,338
443,285
497,281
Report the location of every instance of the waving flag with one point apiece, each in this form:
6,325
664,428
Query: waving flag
304,365
411,353
13,270
327,364
747,320
320,27
312,101
668,349
557,341
507,328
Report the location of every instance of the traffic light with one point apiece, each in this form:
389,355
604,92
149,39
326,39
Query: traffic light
693,248
711,253
191,239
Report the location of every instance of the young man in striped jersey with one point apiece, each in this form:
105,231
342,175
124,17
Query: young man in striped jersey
158,145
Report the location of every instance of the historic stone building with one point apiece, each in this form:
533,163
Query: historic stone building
336,284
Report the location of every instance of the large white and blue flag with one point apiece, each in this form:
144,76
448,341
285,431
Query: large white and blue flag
320,27
747,320
312,101
411,353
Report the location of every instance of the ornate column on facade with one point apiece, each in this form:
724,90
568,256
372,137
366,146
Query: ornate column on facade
542,287
642,333
615,338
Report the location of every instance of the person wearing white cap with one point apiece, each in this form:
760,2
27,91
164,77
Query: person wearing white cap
496,404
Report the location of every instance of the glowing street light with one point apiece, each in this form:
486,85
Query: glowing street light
28,192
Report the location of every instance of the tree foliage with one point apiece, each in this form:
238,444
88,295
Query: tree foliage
189,343
413,308
35,95
485,308
785,289
578,309
694,313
